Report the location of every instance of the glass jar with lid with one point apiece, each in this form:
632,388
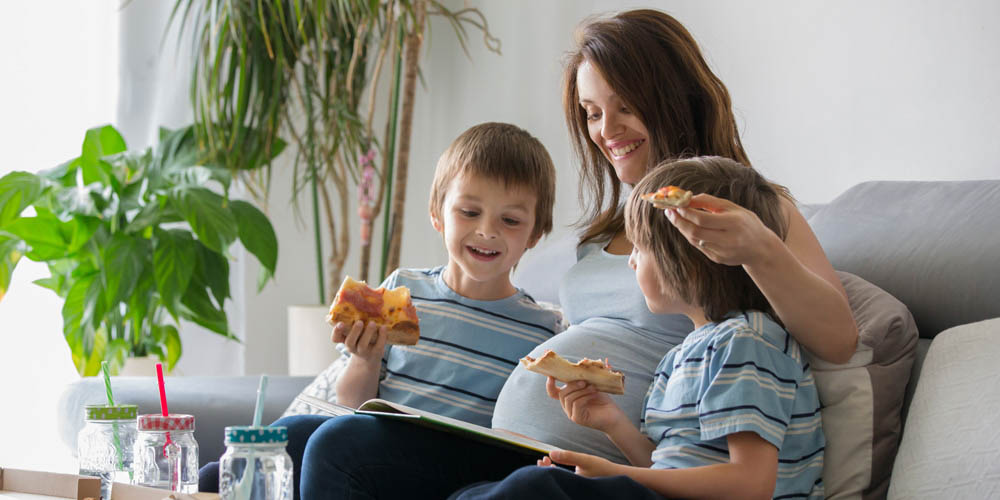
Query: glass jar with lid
166,453
256,465
104,445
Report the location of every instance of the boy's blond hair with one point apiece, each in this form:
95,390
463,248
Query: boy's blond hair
504,153
681,266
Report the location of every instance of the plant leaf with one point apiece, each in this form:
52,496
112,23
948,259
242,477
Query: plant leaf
124,259
84,306
174,260
172,342
212,272
198,307
18,190
101,141
209,219
258,237
10,254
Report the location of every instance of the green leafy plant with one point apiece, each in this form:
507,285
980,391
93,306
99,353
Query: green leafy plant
134,242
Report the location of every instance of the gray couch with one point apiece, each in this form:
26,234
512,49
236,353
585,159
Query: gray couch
935,246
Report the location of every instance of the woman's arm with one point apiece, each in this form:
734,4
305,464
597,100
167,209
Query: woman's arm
794,274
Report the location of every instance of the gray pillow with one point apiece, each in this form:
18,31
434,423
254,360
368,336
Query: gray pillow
932,245
862,399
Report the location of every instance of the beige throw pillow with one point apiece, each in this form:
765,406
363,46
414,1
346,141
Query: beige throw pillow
862,399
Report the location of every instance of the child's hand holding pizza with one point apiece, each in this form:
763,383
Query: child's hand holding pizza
585,405
365,341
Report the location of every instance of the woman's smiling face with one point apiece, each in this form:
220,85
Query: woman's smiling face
613,126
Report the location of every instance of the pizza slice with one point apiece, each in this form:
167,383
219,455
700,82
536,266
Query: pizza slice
596,372
393,308
668,197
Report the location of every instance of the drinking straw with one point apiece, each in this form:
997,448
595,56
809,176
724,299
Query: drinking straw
259,408
172,459
245,485
114,426
163,395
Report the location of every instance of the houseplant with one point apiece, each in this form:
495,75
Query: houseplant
309,72
134,242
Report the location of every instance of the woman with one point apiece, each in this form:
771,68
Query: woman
637,91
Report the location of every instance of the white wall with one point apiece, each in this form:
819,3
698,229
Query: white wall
827,94
59,78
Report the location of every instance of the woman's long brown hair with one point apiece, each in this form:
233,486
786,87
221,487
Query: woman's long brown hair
656,68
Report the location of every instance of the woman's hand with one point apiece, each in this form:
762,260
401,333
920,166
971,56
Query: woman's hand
586,465
724,231
585,405
366,342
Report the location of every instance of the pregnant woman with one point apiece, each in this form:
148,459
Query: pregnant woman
637,91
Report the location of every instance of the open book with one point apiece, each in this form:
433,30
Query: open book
387,409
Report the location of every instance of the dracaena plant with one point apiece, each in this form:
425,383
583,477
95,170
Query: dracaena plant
135,243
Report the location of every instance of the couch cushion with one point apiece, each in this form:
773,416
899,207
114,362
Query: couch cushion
862,399
324,387
949,447
932,245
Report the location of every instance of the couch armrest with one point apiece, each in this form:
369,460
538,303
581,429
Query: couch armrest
949,448
215,402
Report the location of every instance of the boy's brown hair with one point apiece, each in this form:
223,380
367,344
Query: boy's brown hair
504,153
681,266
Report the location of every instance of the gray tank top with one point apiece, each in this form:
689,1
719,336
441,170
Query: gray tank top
609,319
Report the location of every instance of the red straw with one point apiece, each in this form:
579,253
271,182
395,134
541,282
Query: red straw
163,396
163,391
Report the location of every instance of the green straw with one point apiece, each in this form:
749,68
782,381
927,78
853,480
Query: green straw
111,402
259,408
244,487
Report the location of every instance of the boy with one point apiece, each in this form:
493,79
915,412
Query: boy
491,200
733,411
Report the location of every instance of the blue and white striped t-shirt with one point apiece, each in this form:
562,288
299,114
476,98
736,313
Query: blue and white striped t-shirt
467,348
745,373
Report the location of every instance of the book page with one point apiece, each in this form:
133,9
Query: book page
396,410
332,409
381,407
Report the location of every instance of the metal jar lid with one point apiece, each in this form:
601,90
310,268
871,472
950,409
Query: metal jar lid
256,435
105,412
172,422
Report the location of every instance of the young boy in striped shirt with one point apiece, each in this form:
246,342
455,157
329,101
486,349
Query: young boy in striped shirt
491,199
733,411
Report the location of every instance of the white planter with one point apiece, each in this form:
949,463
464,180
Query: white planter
310,349
144,366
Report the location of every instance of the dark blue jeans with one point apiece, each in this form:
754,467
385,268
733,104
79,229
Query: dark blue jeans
365,457
300,427
553,483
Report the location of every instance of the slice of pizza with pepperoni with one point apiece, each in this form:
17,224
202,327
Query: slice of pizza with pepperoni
393,308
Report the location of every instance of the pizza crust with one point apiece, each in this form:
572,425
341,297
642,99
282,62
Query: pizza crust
668,197
595,372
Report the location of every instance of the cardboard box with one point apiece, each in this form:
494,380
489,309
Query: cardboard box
124,491
17,484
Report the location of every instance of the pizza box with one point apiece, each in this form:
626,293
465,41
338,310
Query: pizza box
125,491
18,484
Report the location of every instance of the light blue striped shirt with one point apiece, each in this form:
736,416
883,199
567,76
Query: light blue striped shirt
745,373
467,348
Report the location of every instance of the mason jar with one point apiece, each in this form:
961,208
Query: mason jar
256,465
166,453
104,445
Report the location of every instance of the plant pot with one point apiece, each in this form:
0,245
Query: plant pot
310,349
143,366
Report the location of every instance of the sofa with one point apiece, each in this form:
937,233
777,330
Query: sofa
929,251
